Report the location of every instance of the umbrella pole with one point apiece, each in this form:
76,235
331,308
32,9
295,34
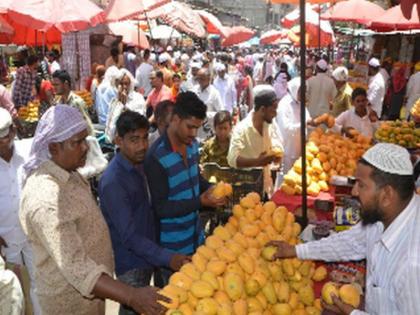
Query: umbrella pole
304,218
319,29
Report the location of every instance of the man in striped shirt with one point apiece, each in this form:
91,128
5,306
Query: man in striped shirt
388,236
177,188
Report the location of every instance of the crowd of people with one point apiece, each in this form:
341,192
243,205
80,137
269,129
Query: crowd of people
167,113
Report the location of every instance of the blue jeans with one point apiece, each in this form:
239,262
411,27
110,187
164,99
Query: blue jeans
136,278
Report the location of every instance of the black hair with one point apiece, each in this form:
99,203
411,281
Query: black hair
63,76
222,117
115,52
146,53
189,105
31,60
248,70
402,184
176,75
130,121
159,74
162,109
357,92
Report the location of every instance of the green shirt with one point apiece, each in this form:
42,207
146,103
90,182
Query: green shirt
342,101
212,152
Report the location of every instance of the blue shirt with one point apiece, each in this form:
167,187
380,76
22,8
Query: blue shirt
125,204
176,186
104,96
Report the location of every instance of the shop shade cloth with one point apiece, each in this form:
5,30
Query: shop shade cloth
58,124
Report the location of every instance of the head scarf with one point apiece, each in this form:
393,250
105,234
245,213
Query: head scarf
124,72
293,88
58,124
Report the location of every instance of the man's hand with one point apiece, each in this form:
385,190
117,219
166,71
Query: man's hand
265,159
339,307
208,200
145,301
284,250
178,260
373,117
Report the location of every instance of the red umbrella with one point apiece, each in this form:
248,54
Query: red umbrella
5,27
311,36
66,16
130,32
236,35
407,7
293,17
357,11
393,19
213,24
118,10
272,36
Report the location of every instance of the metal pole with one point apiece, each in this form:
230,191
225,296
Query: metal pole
319,29
304,218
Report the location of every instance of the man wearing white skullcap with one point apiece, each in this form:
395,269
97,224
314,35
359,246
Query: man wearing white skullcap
388,236
70,239
321,90
342,101
13,242
377,86
226,87
255,137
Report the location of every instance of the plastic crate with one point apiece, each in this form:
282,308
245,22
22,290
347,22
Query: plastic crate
243,181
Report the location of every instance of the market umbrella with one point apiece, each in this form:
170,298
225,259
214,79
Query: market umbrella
293,17
312,37
184,19
407,7
164,32
5,27
272,36
394,20
118,10
66,16
130,32
356,11
236,35
213,24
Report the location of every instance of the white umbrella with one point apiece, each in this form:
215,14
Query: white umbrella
164,32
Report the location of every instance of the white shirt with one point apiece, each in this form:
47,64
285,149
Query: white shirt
11,174
376,92
386,77
349,118
413,90
247,142
288,121
393,260
55,66
258,71
227,91
321,91
142,77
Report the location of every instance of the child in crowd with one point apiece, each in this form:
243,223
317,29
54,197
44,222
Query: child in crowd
215,149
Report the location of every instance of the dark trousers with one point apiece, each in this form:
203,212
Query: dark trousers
136,278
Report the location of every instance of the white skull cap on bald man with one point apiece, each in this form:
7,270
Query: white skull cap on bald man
389,158
58,124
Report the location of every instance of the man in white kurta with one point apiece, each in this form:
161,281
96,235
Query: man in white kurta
321,90
377,89
225,85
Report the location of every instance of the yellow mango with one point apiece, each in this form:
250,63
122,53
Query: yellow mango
250,215
266,218
296,228
269,207
269,293
201,289
287,189
180,293
253,252
214,242
235,268
246,263
268,252
263,239
327,290
235,247
282,309
225,308
275,271
241,240
199,261
216,266
262,299
206,252
283,292
240,307
219,190
232,228
222,232
189,270
299,311
320,273
250,230
254,196
252,287
306,295
226,254
247,203
293,300
252,242
181,280
305,268
233,286
288,267
254,305
312,310
349,294
317,304
260,277
208,306
211,279
287,232
172,296
238,211
186,309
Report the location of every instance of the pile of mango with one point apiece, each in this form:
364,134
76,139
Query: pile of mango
86,96
234,273
415,110
327,154
30,112
403,133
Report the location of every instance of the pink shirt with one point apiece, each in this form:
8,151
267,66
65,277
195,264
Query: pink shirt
6,101
156,96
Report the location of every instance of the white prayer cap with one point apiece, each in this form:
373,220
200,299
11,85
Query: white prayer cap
322,64
374,62
390,158
5,122
341,74
264,95
219,67
185,57
163,58
196,65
